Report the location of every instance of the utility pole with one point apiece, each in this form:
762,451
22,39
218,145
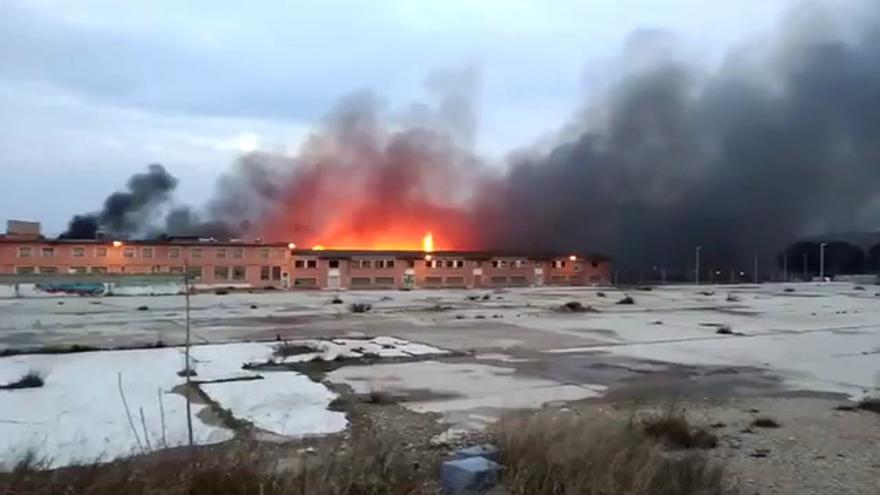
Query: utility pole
187,368
785,267
756,268
822,261
663,275
805,267
697,265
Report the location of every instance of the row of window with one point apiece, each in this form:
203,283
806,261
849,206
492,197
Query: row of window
149,252
381,263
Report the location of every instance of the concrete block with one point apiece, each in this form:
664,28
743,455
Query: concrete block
469,476
487,450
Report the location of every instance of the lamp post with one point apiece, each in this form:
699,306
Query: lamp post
756,268
697,264
822,261
805,267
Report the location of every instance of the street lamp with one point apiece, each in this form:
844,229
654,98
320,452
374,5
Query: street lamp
697,265
822,261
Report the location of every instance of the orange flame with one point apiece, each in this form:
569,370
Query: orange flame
428,243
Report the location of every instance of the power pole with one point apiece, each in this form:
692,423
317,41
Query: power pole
785,267
697,265
822,261
805,267
756,268
187,368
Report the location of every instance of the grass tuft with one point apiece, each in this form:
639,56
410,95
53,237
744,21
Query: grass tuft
674,430
561,453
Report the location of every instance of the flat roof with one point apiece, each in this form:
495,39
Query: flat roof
322,253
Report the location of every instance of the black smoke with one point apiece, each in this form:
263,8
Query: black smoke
126,213
742,161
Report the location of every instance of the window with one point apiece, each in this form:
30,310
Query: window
312,264
457,281
99,269
48,269
305,282
368,264
558,264
25,252
100,252
174,252
265,273
496,263
360,281
450,263
221,273
195,252
239,273
238,253
24,270
48,252
264,253
384,281
334,264
389,263
126,253
195,272
77,270
519,263
221,254
499,280
175,269
147,252
156,269
276,273
299,264
78,252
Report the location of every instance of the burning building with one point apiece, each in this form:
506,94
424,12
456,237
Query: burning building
233,263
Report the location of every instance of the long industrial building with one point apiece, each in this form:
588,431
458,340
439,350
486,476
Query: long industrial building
210,262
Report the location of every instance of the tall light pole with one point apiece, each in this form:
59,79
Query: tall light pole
784,267
822,261
805,267
697,265
756,268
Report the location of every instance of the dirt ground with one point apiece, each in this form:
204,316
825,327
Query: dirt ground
725,354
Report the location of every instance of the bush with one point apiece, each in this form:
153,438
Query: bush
765,422
31,379
567,453
360,307
576,307
676,431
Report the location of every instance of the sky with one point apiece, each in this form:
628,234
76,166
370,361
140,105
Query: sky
92,91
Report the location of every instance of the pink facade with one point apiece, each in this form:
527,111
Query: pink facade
276,265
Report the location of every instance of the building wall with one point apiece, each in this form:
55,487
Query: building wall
276,265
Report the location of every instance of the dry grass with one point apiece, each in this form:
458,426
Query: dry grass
373,468
567,453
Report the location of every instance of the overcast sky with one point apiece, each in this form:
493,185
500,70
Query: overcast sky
94,90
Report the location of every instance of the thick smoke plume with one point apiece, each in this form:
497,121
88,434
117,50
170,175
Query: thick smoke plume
126,212
774,145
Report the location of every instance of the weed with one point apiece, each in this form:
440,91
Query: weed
869,404
675,430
